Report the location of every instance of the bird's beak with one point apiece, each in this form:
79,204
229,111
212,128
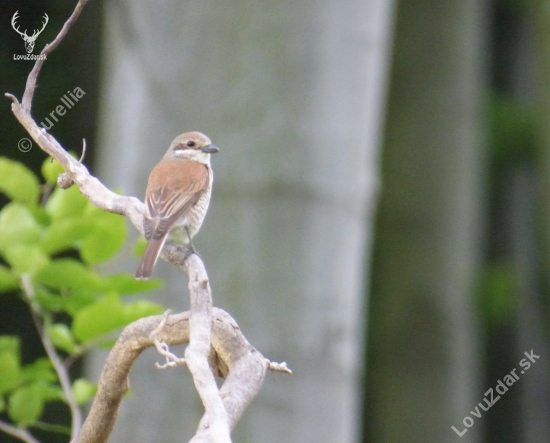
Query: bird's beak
210,149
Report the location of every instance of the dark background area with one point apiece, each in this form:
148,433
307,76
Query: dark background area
75,63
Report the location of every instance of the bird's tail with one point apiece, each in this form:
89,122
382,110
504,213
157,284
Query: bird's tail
149,258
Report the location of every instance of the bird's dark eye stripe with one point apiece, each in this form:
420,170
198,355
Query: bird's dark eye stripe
189,144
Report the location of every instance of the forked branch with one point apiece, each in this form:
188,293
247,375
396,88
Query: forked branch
216,342
247,368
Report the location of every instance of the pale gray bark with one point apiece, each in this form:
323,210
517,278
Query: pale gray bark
424,356
292,93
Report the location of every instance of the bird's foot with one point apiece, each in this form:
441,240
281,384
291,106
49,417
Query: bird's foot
190,247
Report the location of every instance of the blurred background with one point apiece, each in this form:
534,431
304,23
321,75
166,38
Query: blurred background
380,210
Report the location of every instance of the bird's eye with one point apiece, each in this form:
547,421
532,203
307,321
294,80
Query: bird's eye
190,143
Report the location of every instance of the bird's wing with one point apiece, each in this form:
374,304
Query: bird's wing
174,187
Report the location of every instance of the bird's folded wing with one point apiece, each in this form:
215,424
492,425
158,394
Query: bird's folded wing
174,187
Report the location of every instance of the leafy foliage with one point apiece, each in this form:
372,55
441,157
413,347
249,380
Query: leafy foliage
32,237
18,182
498,293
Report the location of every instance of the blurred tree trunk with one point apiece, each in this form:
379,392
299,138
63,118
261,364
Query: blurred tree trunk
519,199
532,244
425,373
293,94
530,331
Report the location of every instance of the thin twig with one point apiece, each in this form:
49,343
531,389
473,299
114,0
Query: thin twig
62,373
161,325
20,433
172,360
280,367
33,76
83,151
46,193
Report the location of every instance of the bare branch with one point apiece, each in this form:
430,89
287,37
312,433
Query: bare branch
65,381
247,367
20,433
217,345
247,370
31,79
198,351
90,186
75,171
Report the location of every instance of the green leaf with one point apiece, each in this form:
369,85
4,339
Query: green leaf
78,300
2,405
10,343
65,203
67,273
51,169
25,405
18,226
127,284
10,371
83,390
49,392
41,216
41,370
70,303
51,301
99,318
64,233
18,182
106,236
109,314
8,281
25,258
139,309
62,338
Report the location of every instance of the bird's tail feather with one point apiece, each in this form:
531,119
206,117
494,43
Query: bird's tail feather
149,258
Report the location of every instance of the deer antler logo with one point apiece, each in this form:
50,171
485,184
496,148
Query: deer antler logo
29,40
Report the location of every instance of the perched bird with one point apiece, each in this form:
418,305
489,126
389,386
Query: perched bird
177,196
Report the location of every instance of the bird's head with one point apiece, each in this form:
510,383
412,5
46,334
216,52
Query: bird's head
191,146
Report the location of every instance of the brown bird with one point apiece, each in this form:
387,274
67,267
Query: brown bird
177,196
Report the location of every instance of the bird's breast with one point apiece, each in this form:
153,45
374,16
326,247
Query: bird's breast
192,219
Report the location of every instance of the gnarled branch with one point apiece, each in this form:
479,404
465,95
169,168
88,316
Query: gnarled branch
216,342
247,368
